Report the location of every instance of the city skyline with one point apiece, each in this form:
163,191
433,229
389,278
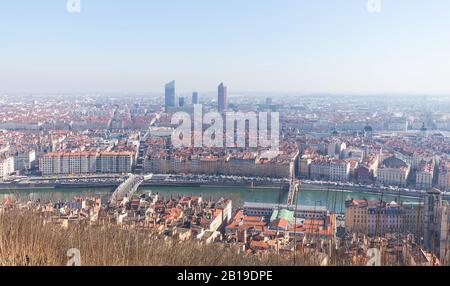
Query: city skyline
343,171
331,47
198,133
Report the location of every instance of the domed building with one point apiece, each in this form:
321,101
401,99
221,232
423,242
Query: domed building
368,131
434,191
394,162
423,131
393,172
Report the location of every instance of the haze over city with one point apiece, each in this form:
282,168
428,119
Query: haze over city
272,46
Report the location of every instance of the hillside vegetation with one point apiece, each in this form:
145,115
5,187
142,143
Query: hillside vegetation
27,239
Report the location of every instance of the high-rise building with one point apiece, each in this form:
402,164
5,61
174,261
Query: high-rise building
181,101
170,95
195,97
222,101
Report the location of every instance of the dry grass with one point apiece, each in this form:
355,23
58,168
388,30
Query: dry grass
25,239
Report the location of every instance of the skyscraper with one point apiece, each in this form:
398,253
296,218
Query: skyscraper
222,101
181,101
195,97
170,95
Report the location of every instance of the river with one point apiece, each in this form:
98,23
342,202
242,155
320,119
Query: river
334,200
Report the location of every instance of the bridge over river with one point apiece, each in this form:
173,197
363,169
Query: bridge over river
294,188
128,188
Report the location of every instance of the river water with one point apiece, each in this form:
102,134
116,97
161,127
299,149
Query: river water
334,200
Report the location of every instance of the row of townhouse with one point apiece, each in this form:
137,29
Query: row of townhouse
214,165
391,170
395,171
428,220
379,218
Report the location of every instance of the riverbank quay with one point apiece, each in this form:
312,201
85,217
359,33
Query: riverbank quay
156,181
366,189
113,181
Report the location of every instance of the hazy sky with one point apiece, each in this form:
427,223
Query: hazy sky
252,45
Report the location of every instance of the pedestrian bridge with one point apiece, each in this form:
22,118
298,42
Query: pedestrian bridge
294,187
128,188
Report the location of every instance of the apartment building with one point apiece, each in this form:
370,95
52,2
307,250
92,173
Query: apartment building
327,168
367,170
354,154
339,170
320,168
379,218
115,162
24,160
215,220
425,175
356,212
335,148
304,167
6,166
444,175
58,163
384,218
67,163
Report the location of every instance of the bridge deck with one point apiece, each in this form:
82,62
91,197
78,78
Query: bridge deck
294,187
127,188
